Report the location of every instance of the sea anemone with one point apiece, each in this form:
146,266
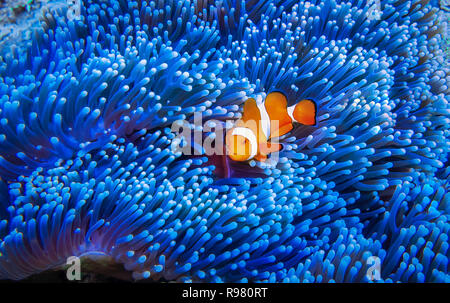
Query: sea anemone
87,164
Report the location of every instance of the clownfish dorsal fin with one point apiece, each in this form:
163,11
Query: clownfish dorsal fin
276,107
276,101
304,112
251,111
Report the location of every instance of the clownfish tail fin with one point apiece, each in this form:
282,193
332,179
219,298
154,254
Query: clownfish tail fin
303,112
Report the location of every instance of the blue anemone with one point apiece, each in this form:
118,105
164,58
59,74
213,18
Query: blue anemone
86,162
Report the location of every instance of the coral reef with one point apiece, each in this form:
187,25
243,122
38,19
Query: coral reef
86,162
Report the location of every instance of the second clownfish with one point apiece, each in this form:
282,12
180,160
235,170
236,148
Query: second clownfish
250,136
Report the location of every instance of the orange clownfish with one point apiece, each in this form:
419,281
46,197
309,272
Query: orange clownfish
250,136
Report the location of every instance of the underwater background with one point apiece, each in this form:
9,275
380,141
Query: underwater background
87,168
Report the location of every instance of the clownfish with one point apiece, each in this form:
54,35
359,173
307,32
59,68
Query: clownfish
250,136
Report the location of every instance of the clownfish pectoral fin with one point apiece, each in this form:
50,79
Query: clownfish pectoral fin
260,158
268,147
304,112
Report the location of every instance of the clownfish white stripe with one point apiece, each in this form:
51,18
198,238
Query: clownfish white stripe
250,136
290,111
265,120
